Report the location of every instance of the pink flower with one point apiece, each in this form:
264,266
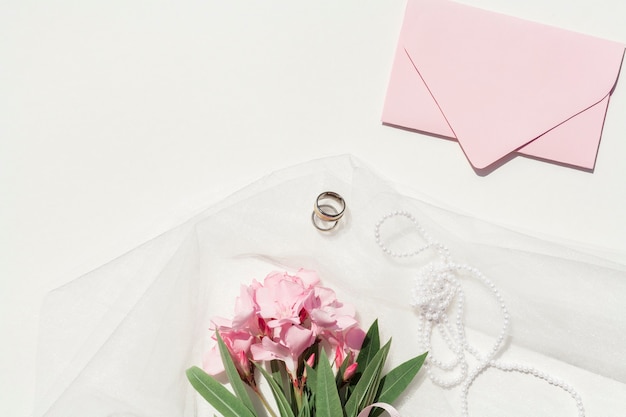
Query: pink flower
237,342
334,321
280,299
281,318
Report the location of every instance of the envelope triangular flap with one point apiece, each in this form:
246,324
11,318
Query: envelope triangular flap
408,103
499,81
573,143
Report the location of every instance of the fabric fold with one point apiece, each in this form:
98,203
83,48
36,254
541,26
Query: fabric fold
116,342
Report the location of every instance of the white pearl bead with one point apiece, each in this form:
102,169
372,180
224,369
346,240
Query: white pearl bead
436,286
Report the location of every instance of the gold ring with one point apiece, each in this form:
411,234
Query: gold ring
323,225
332,212
328,209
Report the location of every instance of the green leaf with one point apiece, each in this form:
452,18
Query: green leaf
371,346
305,411
281,400
396,381
224,401
278,372
233,376
311,378
367,387
343,388
327,402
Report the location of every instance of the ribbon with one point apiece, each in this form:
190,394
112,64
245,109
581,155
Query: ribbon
387,407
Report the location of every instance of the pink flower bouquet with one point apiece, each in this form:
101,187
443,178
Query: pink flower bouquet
307,345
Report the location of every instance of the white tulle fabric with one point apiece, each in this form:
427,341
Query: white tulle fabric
116,342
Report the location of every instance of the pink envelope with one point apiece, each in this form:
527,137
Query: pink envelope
501,85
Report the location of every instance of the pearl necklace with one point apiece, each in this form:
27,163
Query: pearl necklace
437,287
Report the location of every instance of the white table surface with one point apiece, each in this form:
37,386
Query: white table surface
120,119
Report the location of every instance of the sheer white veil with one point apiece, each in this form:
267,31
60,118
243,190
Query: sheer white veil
116,341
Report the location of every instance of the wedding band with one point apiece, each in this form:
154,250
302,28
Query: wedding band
328,209
323,225
332,212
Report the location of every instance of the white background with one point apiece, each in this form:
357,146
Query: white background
120,119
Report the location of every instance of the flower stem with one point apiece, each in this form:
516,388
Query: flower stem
264,401
298,395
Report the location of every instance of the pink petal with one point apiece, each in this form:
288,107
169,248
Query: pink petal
326,295
354,338
268,350
212,362
220,322
309,278
345,322
237,340
298,339
273,278
322,318
287,321
245,307
345,310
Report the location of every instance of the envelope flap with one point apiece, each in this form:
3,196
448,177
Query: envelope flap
501,81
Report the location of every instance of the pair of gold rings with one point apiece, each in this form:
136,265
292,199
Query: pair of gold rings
328,209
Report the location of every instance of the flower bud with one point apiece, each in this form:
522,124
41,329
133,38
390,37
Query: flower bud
311,360
350,371
339,356
244,367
